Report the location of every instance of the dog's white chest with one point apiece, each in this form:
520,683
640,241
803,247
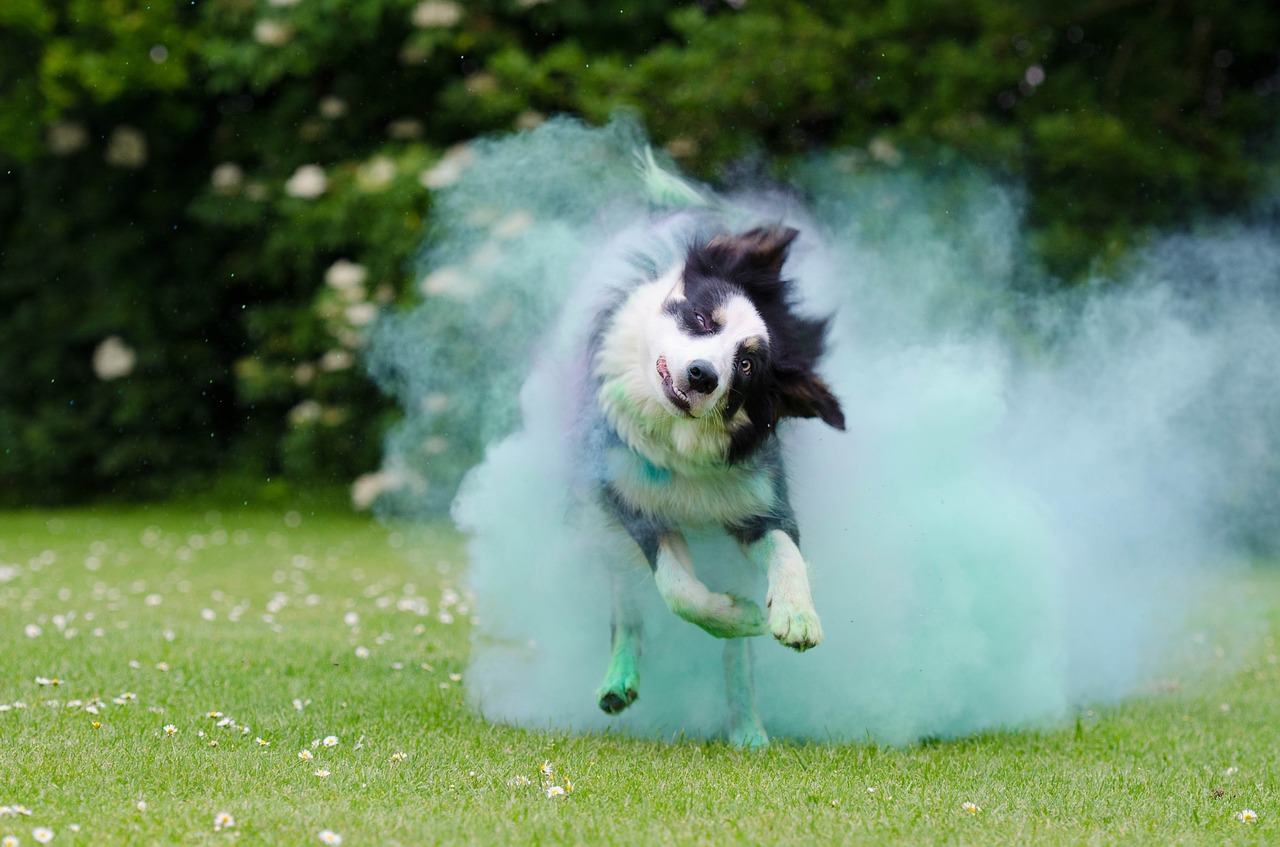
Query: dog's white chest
721,496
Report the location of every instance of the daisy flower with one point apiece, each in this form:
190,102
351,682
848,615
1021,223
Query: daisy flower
10,841
223,820
518,781
305,755
20,810
322,773
170,729
261,742
328,836
42,834
142,807
214,714
555,791
545,770
399,757
971,808
1247,816
568,786
330,741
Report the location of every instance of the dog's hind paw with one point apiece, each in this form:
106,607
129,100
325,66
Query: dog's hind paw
612,701
796,627
618,692
750,736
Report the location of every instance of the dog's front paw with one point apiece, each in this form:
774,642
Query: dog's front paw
796,625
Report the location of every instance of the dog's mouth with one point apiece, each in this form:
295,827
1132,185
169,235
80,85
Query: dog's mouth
675,395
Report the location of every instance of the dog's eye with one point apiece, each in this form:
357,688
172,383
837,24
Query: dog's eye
744,366
701,320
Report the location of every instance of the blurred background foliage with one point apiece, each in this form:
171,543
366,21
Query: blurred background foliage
205,203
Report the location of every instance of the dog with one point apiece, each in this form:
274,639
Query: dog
691,371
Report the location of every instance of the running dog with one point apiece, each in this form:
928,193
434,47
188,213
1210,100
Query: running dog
691,371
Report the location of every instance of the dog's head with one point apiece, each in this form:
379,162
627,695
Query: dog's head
728,348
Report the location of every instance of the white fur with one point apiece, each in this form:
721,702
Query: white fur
722,615
674,467
631,393
792,618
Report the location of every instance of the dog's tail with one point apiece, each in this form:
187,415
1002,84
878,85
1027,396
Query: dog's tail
666,189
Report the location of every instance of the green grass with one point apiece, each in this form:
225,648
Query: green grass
117,593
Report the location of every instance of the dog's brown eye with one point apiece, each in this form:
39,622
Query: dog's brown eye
744,365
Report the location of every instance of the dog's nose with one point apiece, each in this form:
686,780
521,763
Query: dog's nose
702,377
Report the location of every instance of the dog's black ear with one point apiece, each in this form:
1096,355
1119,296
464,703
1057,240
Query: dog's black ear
766,247
804,395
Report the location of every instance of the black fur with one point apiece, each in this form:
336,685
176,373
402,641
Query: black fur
782,382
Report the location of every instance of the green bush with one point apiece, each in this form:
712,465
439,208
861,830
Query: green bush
211,200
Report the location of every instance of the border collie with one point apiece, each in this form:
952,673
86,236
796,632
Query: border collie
691,372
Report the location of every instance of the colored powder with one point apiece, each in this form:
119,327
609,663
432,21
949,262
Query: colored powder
1033,486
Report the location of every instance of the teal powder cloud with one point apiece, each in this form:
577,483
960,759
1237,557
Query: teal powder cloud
1031,490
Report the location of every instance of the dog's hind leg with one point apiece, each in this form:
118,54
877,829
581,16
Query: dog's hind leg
745,730
722,615
622,680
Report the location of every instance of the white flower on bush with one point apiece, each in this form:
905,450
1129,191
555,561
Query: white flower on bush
227,178
333,107
127,148
436,13
337,360
446,171
361,314
376,174
344,274
308,182
405,129
113,358
367,487
530,119
66,138
272,33
306,412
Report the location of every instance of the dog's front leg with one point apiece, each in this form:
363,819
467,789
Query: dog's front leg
722,615
792,618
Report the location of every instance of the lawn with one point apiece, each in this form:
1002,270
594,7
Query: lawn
166,665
